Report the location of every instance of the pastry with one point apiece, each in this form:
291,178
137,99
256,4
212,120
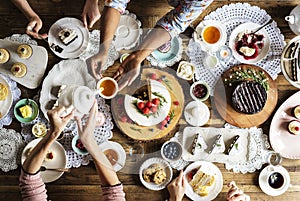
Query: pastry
4,55
235,148
296,111
218,146
165,47
49,156
26,111
249,97
294,127
3,92
24,51
154,173
19,69
201,181
67,36
199,145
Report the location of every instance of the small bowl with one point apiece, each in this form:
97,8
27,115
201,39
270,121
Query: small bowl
182,70
75,148
18,115
39,130
171,151
204,86
224,53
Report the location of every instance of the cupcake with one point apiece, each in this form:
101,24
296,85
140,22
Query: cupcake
296,112
4,56
18,69
24,51
294,127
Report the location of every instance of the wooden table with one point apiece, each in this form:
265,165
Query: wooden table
83,183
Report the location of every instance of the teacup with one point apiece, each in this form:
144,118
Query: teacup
108,87
276,179
211,35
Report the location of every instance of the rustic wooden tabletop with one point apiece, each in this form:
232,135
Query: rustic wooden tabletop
83,183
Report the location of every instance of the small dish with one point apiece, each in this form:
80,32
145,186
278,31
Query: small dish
39,129
196,113
78,147
185,70
224,53
167,168
23,102
171,151
199,91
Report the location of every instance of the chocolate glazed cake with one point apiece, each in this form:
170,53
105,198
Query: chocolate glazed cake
249,97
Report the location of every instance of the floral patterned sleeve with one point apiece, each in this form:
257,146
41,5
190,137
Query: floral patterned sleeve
119,5
178,19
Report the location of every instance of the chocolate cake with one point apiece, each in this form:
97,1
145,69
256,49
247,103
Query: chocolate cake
249,97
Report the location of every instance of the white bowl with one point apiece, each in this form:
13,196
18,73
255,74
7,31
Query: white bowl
204,98
171,151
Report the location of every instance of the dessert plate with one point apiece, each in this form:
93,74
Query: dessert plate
120,151
36,64
281,140
206,167
128,32
196,113
59,160
5,105
167,168
248,27
78,46
66,72
168,58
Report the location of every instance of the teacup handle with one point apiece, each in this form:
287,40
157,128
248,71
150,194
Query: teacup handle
290,19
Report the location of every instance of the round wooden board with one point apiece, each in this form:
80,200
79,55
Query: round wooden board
222,101
149,133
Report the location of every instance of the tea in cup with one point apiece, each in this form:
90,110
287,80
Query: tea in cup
108,87
275,179
211,34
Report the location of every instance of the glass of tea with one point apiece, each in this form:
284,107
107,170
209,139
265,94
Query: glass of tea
108,87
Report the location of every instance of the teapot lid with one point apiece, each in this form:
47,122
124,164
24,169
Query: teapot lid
83,99
295,27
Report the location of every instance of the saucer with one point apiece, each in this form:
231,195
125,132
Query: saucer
196,107
264,176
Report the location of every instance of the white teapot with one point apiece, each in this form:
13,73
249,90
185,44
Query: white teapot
80,98
294,20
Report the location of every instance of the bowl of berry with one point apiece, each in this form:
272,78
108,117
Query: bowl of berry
199,91
78,147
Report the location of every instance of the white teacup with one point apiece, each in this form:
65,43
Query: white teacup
211,35
108,87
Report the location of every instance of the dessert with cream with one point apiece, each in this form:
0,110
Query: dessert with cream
67,36
199,144
218,146
296,111
185,70
26,111
4,56
49,156
294,127
19,69
24,51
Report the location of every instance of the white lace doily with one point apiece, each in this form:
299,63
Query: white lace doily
11,146
257,151
231,16
101,134
93,48
16,93
21,38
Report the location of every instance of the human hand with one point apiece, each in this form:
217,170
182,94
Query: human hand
234,194
90,14
57,122
34,26
177,188
127,71
96,64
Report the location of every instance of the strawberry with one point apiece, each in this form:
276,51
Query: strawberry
124,119
149,104
156,101
164,122
176,103
162,127
146,110
168,118
50,155
153,76
141,105
159,80
154,108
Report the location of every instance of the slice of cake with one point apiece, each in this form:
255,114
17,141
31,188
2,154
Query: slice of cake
235,147
201,181
67,36
218,146
199,145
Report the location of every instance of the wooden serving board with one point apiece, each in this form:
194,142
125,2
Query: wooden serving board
223,104
36,64
149,133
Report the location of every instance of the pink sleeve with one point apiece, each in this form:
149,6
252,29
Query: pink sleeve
32,187
113,193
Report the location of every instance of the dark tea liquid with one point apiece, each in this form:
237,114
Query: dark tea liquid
276,180
108,87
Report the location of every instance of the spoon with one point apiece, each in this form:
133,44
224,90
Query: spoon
43,168
262,26
117,162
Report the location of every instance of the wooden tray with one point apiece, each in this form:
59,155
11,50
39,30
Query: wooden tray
222,101
149,133
36,64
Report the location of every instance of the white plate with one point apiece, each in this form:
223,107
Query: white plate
66,72
211,169
74,49
201,118
249,26
263,180
36,64
5,105
59,160
143,120
119,149
128,32
199,29
162,163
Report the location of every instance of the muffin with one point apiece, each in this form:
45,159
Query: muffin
4,56
3,92
24,51
18,69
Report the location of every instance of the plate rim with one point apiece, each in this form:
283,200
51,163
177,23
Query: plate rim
10,96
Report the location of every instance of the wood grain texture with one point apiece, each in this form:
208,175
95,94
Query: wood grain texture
83,183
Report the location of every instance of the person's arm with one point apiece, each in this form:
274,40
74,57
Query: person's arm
90,14
35,23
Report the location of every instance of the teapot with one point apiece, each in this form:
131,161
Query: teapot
80,98
294,20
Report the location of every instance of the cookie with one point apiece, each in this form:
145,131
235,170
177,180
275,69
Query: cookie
3,92
19,69
24,51
4,56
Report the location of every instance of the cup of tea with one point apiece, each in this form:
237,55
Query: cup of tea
211,34
276,179
107,87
